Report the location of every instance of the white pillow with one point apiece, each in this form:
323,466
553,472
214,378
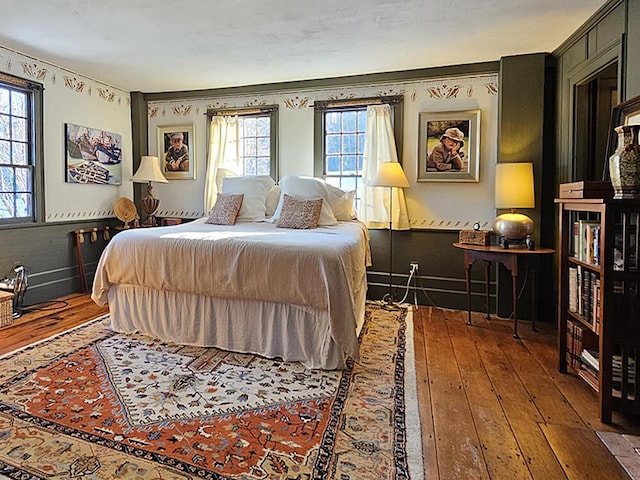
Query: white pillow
309,188
343,207
255,189
221,174
273,197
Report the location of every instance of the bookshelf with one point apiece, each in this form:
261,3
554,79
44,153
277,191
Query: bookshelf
598,301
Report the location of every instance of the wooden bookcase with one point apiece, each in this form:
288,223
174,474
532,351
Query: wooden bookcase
598,301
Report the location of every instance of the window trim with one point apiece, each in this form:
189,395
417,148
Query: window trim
272,111
36,154
320,107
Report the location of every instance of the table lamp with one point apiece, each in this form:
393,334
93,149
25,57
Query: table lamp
391,175
514,189
149,171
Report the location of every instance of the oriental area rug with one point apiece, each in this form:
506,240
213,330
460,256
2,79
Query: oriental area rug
94,404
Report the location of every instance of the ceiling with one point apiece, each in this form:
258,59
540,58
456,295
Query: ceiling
155,46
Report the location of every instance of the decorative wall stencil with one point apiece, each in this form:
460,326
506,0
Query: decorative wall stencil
74,84
181,110
449,146
106,94
296,102
33,70
93,155
176,150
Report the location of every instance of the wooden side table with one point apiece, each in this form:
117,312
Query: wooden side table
514,260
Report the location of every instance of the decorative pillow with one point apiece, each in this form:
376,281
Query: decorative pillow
299,213
255,189
309,188
226,209
271,203
343,207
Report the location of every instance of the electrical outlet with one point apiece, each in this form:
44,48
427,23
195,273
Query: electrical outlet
413,265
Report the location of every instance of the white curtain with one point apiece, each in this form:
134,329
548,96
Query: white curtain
380,147
224,153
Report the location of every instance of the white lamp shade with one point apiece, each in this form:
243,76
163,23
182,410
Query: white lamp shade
514,185
390,174
149,171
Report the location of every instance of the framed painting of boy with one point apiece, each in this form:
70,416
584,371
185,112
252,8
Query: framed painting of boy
449,146
176,147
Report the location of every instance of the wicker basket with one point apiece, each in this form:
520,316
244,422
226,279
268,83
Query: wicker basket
6,308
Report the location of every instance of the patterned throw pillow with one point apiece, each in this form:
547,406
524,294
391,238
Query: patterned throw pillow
299,213
226,209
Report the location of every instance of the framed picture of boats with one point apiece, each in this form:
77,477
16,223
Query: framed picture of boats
92,155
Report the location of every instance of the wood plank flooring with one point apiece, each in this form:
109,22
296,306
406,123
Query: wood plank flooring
491,406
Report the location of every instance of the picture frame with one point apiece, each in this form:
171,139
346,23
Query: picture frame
625,113
176,150
439,165
92,155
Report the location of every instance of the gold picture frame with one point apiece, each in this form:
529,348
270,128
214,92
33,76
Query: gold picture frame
177,159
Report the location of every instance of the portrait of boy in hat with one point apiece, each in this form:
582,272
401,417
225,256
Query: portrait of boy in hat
177,157
447,155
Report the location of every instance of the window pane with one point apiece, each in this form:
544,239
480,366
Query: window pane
19,129
250,166
19,104
263,146
349,144
333,144
349,121
332,122
7,179
362,120
23,180
263,127
19,153
24,205
7,206
249,147
4,100
348,183
5,132
349,165
5,152
264,166
249,127
361,142
333,164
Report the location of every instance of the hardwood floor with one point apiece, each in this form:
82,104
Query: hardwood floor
491,407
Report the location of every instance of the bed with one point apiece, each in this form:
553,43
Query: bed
251,287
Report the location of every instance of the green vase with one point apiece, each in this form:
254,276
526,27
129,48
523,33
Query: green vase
624,164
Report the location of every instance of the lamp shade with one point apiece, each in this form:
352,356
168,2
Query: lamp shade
390,174
149,171
514,185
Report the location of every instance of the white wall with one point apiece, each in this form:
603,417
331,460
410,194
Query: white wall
430,204
71,98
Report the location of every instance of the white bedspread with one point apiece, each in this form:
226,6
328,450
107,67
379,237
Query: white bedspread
322,269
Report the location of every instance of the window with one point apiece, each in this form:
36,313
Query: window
19,102
339,140
255,144
258,133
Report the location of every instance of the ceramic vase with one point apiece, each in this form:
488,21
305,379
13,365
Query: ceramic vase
624,164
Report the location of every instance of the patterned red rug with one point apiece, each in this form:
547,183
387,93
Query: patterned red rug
94,404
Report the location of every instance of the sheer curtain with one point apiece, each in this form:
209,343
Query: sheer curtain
224,152
380,147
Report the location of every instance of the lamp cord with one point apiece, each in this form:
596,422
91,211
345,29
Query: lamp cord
414,274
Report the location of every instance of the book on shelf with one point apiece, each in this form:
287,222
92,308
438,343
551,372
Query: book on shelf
591,361
595,318
586,241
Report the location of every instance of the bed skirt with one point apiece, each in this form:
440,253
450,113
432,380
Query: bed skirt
274,330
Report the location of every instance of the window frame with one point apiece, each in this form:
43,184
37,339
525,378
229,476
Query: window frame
35,153
269,110
396,102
